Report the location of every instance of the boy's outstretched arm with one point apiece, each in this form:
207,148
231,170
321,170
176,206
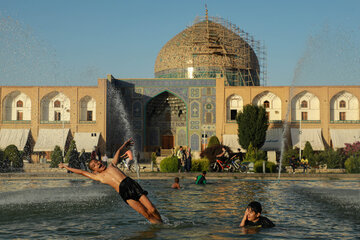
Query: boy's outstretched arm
129,142
79,171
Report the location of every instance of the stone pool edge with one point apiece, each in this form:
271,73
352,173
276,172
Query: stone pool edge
210,175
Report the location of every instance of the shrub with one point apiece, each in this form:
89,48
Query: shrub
352,149
169,164
213,141
317,160
56,157
352,164
270,167
332,158
288,154
4,163
12,154
253,154
199,165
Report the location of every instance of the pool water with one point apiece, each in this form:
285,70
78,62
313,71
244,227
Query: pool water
79,209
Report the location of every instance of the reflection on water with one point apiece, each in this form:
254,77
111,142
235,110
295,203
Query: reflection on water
80,209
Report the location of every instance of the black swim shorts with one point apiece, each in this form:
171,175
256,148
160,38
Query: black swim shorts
130,189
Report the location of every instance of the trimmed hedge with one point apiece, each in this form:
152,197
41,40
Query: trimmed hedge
12,154
199,165
352,164
169,164
270,167
213,141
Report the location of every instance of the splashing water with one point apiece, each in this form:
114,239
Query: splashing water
24,58
122,118
329,56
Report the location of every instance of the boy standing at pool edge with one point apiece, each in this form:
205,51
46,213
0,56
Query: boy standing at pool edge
253,218
130,191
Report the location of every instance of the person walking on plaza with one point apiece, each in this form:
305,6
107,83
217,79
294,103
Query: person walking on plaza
188,160
181,158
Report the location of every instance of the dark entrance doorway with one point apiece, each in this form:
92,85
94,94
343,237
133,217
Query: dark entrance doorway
167,142
165,118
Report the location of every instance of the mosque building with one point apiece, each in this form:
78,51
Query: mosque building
203,78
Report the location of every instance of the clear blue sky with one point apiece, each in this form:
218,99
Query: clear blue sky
75,42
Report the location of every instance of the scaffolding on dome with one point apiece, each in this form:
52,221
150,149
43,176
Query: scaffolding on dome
222,43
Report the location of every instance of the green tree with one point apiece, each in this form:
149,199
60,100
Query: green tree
250,153
12,154
72,156
252,126
308,153
253,154
213,141
56,157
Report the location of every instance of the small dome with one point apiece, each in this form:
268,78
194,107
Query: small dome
205,50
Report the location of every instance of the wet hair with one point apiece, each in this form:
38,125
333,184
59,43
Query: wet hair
204,172
176,180
92,160
255,206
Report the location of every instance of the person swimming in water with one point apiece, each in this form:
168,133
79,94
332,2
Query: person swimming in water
176,184
253,218
130,191
201,178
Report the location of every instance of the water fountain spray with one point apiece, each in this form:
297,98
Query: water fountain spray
122,118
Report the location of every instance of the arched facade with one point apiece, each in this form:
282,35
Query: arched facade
234,104
271,103
87,109
17,107
305,106
344,106
166,121
55,107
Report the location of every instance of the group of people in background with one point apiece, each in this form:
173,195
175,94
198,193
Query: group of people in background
184,159
295,163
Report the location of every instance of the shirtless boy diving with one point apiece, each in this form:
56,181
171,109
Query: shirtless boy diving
130,191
